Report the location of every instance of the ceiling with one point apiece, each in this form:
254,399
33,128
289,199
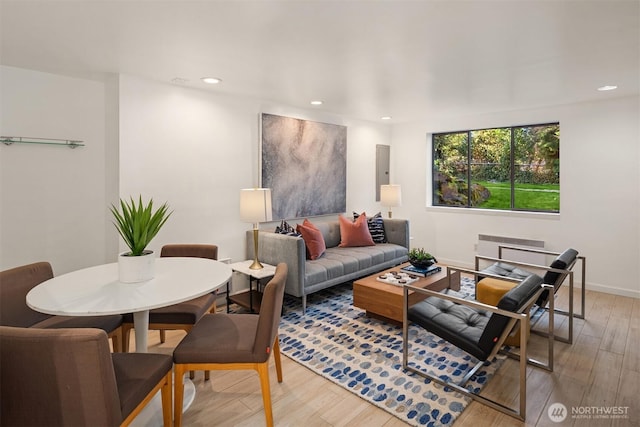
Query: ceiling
364,59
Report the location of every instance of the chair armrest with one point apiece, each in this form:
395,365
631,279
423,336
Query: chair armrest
274,248
582,258
397,231
517,263
470,303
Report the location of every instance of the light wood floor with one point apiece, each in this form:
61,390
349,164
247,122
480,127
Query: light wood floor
601,369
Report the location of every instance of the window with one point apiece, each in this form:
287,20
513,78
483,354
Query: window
513,168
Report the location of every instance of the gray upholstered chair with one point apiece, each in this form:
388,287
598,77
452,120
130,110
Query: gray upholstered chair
16,283
478,329
185,314
235,341
72,379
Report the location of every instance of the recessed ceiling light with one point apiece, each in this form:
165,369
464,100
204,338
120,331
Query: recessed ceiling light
179,80
385,118
607,87
316,102
211,80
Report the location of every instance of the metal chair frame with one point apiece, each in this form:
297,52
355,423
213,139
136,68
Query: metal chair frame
522,315
571,314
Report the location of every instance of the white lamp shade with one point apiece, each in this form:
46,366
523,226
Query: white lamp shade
255,205
390,195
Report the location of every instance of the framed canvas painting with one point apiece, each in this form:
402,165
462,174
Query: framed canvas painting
305,165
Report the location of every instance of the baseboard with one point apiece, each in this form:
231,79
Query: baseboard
613,290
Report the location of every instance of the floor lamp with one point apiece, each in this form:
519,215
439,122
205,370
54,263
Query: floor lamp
255,207
390,196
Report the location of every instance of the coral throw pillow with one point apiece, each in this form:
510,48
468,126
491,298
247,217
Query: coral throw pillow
355,233
313,239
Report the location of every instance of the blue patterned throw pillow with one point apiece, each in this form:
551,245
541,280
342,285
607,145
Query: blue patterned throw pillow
376,227
285,228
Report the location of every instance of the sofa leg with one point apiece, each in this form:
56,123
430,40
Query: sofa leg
304,304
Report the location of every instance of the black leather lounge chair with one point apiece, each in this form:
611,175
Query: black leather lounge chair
479,330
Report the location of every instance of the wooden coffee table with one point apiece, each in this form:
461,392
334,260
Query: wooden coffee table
384,300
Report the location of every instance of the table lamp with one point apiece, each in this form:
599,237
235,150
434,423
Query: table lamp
390,196
255,207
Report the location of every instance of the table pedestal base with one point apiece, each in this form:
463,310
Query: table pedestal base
141,323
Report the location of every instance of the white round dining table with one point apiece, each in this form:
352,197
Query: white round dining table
97,291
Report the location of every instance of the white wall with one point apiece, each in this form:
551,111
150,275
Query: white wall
52,198
194,149
599,175
197,149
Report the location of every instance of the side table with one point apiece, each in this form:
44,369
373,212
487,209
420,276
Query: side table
250,299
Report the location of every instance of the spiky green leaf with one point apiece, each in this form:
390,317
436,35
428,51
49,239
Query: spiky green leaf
139,224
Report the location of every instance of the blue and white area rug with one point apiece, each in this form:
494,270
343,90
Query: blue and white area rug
364,355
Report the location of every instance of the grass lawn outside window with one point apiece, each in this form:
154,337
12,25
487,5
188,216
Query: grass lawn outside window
527,196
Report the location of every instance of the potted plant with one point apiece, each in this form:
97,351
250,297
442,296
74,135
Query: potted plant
138,224
420,258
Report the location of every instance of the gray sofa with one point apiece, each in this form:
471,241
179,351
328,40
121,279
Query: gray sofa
337,265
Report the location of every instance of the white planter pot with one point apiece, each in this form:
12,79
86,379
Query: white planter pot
134,269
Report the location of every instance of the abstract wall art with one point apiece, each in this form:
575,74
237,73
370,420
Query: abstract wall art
305,165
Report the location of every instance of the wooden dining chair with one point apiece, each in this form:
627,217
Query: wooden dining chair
74,380
235,341
15,284
184,315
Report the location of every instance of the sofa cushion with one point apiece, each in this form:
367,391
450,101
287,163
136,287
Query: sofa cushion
330,232
354,233
323,269
376,227
337,262
353,259
392,251
350,264
313,239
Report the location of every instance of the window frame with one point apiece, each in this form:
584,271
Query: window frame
469,155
